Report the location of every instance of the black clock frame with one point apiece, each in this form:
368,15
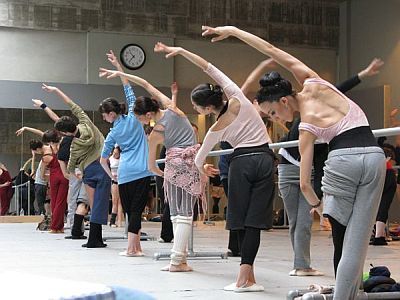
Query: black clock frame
123,61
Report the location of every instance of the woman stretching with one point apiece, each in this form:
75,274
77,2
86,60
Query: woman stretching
352,189
250,179
133,176
58,183
182,184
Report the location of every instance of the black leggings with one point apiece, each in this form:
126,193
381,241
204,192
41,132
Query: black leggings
338,231
249,241
134,195
389,190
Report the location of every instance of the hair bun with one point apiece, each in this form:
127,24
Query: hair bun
270,79
216,89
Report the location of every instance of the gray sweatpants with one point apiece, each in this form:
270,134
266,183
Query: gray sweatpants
76,194
298,211
352,185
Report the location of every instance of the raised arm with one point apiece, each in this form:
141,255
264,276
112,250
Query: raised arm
75,108
155,93
40,104
256,74
299,70
228,86
371,70
114,61
173,51
30,129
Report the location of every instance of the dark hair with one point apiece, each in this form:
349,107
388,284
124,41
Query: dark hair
273,87
65,124
207,94
35,144
50,136
143,105
390,150
112,105
118,148
147,129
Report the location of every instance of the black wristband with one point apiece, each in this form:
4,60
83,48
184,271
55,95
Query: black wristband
317,205
43,106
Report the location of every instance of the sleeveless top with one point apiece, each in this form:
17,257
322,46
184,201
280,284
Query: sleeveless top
246,130
354,118
54,165
178,132
114,163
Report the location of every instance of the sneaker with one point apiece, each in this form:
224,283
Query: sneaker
380,241
161,240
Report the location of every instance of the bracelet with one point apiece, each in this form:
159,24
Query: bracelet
317,205
43,106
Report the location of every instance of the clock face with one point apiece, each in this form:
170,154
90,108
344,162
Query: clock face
133,56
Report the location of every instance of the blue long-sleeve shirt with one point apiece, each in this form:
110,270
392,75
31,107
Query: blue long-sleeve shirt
128,133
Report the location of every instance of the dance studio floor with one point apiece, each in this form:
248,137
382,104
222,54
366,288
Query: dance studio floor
25,250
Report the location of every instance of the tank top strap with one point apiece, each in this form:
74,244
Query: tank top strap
326,83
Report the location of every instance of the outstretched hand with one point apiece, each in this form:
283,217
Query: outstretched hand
210,171
112,59
37,102
108,73
20,131
49,88
222,32
373,68
171,51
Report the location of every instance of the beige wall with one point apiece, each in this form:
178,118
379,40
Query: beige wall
74,57
373,30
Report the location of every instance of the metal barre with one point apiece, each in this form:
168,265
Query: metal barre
376,132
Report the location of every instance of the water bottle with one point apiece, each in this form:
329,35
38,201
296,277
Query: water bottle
22,213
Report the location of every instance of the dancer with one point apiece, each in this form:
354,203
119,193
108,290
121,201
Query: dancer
40,183
6,191
389,190
251,183
297,207
85,152
352,189
58,183
133,176
117,213
174,130
77,200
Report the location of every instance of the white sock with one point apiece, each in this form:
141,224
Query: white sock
181,238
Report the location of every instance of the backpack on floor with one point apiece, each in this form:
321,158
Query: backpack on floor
44,225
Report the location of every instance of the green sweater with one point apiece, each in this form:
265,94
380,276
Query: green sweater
87,148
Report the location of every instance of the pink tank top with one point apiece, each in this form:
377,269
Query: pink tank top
354,118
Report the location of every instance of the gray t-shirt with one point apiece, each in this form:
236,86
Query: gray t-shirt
178,132
38,179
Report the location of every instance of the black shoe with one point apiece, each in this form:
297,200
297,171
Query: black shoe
94,245
75,237
233,254
380,241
